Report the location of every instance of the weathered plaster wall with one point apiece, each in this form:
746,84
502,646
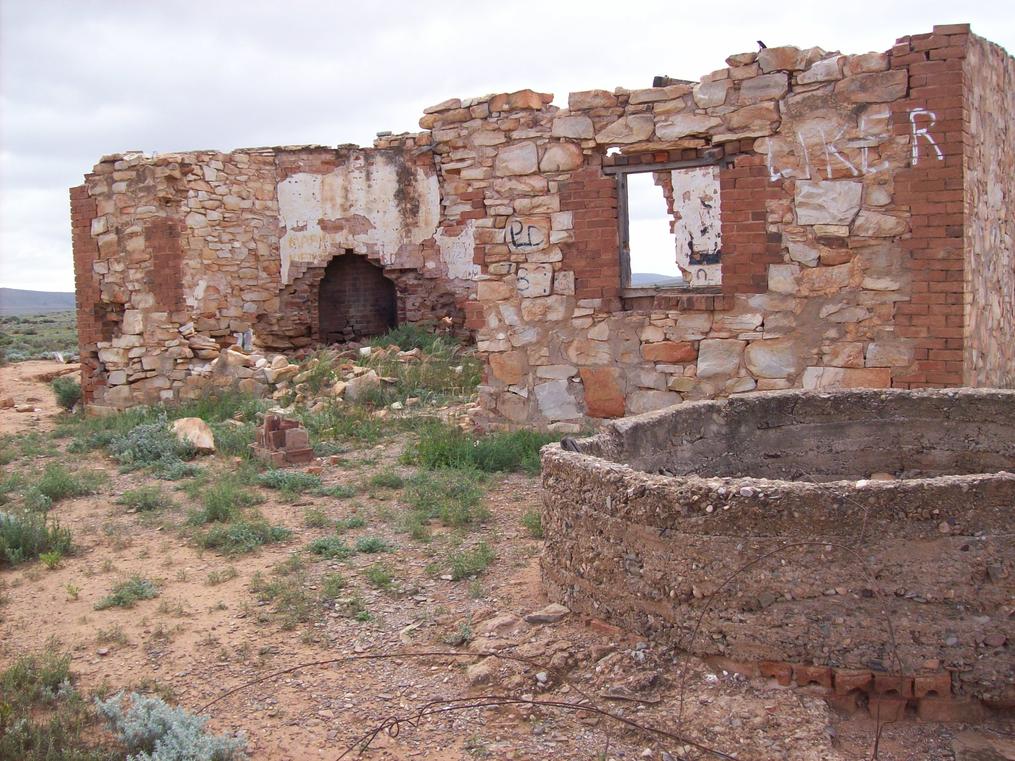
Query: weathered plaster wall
989,79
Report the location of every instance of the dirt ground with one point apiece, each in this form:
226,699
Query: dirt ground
199,639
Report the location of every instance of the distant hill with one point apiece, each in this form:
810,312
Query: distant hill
17,301
639,279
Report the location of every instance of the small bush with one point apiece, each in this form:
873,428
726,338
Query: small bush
222,502
242,536
149,445
152,730
128,592
289,482
332,585
346,524
452,496
339,491
443,446
387,479
9,485
221,577
233,439
58,483
372,544
379,576
466,563
42,716
27,535
145,499
533,523
331,547
314,517
67,391
51,559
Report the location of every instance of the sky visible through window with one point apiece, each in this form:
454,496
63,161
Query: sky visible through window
653,248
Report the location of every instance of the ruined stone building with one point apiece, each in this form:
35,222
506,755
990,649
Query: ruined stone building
840,221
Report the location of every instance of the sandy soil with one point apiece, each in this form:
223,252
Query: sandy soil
197,639
28,383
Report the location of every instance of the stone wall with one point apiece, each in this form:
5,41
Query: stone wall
797,528
861,237
989,81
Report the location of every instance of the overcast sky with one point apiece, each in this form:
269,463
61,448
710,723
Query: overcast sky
82,78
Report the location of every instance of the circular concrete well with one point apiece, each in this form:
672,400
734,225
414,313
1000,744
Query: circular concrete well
844,538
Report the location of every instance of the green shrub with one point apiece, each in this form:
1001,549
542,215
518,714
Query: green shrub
153,730
67,391
346,524
532,520
443,446
452,496
332,585
372,544
26,535
379,575
387,479
150,445
290,594
472,562
339,491
290,482
242,536
42,716
9,485
331,547
128,592
314,517
222,501
233,439
51,559
58,483
145,499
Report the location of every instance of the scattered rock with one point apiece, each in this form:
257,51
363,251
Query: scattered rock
195,432
550,614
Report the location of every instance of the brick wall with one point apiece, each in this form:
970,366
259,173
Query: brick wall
592,197
932,189
82,212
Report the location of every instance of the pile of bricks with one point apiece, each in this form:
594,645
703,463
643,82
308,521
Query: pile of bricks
281,441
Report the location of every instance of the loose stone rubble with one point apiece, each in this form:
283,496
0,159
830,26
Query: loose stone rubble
864,239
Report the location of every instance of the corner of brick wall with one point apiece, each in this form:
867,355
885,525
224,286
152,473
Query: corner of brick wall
933,191
594,256
85,251
747,247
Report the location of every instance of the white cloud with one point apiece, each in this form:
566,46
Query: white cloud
79,80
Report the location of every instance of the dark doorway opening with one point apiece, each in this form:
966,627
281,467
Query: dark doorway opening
356,300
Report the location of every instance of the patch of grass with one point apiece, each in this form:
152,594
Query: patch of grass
222,501
387,479
371,545
339,491
221,576
233,438
330,547
441,445
379,575
58,483
340,421
470,562
67,391
332,585
347,524
9,485
128,592
315,517
145,499
242,536
42,716
532,521
51,559
290,482
113,635
454,497
27,535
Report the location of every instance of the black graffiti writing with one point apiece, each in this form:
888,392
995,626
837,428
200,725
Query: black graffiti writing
524,236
